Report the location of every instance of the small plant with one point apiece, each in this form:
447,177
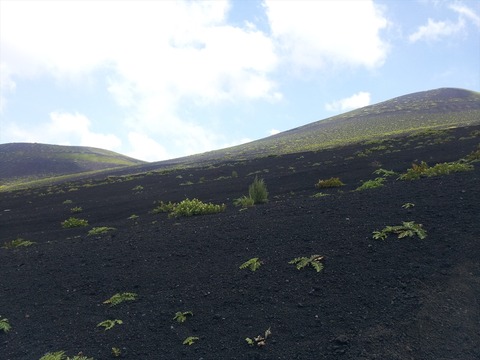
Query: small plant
408,205
234,174
74,222
108,324
181,317
253,264
384,173
100,230
193,207
17,243
259,340
60,355
66,202
319,195
329,183
121,297
244,202
408,228
190,340
133,217
423,170
257,191
164,208
371,184
314,261
116,352
138,188
5,325
76,209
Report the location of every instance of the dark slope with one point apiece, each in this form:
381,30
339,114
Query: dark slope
34,161
392,299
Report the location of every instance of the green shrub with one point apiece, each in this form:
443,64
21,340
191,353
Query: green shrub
371,184
100,230
473,156
121,297
408,228
244,201
74,222
17,243
4,325
189,207
164,207
257,191
384,173
329,183
423,170
76,209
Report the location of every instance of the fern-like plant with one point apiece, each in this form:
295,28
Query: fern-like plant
100,230
60,355
181,316
371,184
244,202
407,229
74,222
253,264
108,324
17,243
4,325
329,183
121,297
190,340
313,260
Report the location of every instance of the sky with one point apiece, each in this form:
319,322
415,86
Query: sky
161,79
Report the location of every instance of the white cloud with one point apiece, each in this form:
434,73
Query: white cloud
317,34
273,132
435,30
64,129
145,148
355,101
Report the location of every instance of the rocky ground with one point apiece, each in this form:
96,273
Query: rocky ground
375,299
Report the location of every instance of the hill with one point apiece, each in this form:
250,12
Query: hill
20,162
397,298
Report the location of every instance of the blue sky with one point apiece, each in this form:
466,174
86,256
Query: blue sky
161,79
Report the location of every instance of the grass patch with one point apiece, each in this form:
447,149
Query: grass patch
257,191
244,201
74,222
17,243
100,230
188,207
371,184
329,183
418,171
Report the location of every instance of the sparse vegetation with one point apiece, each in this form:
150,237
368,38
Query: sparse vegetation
17,243
181,316
190,340
385,173
116,352
74,222
408,228
408,205
244,201
138,188
188,207
314,261
319,195
66,202
329,183
257,191
76,209
260,340
371,184
5,325
100,230
118,298
109,324
60,355
423,170
253,264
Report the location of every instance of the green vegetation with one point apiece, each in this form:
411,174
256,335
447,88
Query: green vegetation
253,264
60,355
4,325
108,324
67,202
116,352
408,205
193,207
190,340
138,188
17,243
423,170
257,191
408,228
244,201
319,195
76,209
474,156
74,222
384,173
100,230
118,298
371,184
329,183
164,207
181,317
259,340
314,261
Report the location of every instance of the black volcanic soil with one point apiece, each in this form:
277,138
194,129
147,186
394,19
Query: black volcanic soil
393,299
